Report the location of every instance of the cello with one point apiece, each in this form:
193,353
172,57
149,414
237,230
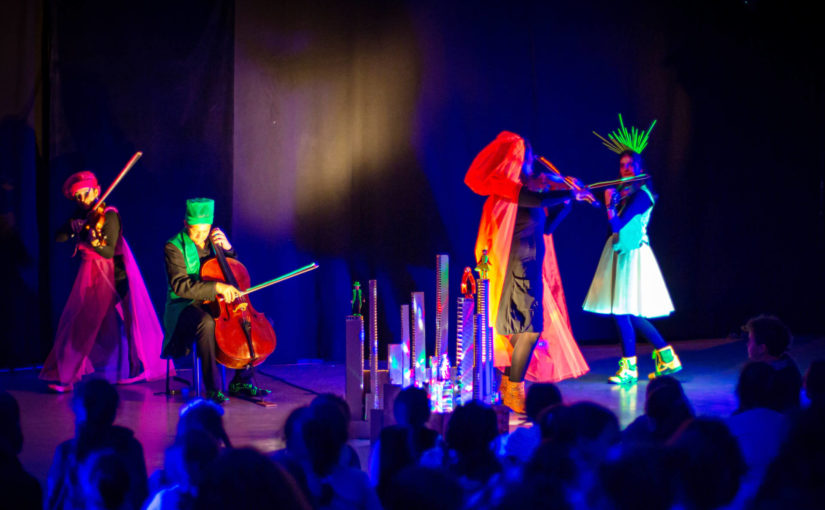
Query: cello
243,336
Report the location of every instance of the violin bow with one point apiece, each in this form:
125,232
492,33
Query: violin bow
566,179
297,272
618,182
119,178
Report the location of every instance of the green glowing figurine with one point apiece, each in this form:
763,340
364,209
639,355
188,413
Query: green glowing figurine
483,266
357,299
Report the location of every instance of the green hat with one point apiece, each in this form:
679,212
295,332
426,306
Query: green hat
200,211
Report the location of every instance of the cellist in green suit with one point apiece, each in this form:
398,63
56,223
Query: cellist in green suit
186,317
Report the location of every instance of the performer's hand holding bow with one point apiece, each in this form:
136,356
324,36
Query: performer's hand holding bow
580,191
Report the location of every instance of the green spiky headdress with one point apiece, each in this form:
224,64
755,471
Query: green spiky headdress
623,140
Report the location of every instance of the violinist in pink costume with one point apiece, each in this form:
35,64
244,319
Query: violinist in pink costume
108,325
530,321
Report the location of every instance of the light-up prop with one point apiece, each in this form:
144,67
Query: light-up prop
419,340
373,305
442,305
465,340
406,352
354,378
441,384
485,379
395,353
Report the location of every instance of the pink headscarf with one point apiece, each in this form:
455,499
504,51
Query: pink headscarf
78,181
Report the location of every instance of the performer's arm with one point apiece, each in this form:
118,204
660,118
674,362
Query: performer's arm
110,231
527,198
555,215
181,282
638,204
69,230
64,233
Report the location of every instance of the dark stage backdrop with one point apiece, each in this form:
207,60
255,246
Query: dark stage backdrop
20,88
340,132
148,76
355,123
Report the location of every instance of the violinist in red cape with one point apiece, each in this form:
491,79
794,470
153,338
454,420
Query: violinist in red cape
526,296
187,317
108,324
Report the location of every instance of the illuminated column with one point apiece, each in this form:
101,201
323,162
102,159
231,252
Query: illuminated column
485,343
478,358
395,354
445,380
373,304
465,350
419,340
442,306
354,378
406,352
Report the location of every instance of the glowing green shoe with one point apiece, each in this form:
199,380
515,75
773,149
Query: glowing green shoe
627,373
247,389
667,362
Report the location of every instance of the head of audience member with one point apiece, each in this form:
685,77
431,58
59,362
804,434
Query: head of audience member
540,396
293,433
11,435
104,481
416,487
667,407
815,382
470,432
708,462
205,415
95,404
245,478
796,478
395,453
325,432
768,338
597,431
555,424
188,458
755,386
577,438
472,427
642,465
411,407
580,423
336,400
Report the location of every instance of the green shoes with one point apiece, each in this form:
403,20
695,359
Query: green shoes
667,362
627,373
216,396
247,389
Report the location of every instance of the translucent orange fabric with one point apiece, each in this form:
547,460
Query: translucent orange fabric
495,173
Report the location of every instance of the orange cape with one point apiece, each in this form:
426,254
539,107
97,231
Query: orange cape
495,173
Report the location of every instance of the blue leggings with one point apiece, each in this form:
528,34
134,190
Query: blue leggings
628,325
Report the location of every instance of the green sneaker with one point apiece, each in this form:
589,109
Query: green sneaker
216,396
666,362
247,389
627,373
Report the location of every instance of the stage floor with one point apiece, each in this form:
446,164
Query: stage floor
709,379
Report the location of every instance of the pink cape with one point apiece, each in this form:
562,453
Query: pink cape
89,335
496,172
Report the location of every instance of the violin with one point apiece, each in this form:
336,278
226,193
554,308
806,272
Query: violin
244,337
93,226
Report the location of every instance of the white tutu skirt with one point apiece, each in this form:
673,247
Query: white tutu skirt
628,283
